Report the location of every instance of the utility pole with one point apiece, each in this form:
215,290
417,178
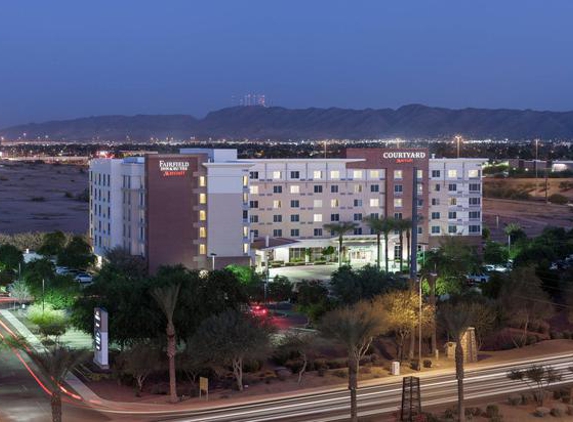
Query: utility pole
536,164
414,260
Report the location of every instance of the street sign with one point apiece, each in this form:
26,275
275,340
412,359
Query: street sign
101,338
204,386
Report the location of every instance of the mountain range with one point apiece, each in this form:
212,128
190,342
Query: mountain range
255,122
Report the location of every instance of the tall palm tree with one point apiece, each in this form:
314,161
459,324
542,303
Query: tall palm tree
56,362
511,230
166,298
381,226
403,226
340,229
457,319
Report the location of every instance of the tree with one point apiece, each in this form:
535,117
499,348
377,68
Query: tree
537,378
403,226
139,361
166,298
352,285
513,231
250,279
381,226
53,243
20,292
300,343
280,289
457,319
312,300
76,254
10,258
340,229
495,253
231,337
354,327
123,261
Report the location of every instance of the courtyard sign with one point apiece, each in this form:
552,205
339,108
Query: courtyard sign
404,156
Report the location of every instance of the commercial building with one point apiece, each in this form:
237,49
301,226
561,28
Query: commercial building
204,206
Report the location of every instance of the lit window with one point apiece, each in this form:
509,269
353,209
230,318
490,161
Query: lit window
202,181
202,232
276,203
374,202
397,202
317,203
452,173
473,173
295,189
453,201
277,175
254,190
202,198
334,203
317,218
357,174
397,174
245,231
202,249
335,174
245,248
317,174
245,198
358,188
374,174
202,215
420,174
245,180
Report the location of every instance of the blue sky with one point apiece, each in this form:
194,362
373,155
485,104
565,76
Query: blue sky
63,59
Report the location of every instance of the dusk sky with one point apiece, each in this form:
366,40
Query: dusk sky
65,59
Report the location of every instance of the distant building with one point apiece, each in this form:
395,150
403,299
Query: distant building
558,166
527,165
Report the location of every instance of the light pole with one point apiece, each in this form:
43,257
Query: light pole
458,139
536,164
213,255
43,294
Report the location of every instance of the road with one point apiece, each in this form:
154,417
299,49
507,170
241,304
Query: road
373,401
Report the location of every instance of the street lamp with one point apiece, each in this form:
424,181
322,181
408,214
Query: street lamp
536,164
213,255
43,294
458,140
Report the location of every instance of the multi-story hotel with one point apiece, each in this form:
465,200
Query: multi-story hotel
205,207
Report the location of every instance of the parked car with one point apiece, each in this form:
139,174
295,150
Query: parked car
83,278
477,278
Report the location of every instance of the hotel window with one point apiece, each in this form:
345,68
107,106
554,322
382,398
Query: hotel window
254,190
420,188
317,174
245,214
202,198
295,174
277,189
397,202
475,201
358,231
435,216
435,229
254,218
435,201
334,217
357,174
318,232
420,230
437,187
397,216
255,233
335,174
398,188
253,204
245,181
295,203
295,218
453,173
374,202
277,218
245,248
374,216
452,187
277,233
202,215
452,215
245,198
277,203
358,202
435,173
317,203
277,175
358,217
374,174
374,188
452,229
295,232
334,189
254,175
334,203
475,215
245,231
317,218
202,181
397,174
453,201
317,188
295,189
474,229
473,173
419,174
358,188
475,187
202,232
202,249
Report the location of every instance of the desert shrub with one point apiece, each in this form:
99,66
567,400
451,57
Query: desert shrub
365,370
414,365
567,334
340,373
320,364
295,365
557,412
252,365
531,339
492,410
557,198
514,399
555,335
450,413
427,363
161,388
336,364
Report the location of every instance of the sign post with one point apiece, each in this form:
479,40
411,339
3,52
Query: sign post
101,338
204,387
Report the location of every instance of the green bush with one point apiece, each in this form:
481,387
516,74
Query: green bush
340,373
47,316
557,198
555,335
427,363
492,410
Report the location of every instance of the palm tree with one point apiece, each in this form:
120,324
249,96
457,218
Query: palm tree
381,226
511,230
166,298
403,225
457,320
56,363
353,327
340,229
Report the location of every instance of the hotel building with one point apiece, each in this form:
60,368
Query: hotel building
205,207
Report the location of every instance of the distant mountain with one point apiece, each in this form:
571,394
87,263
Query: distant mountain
255,122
